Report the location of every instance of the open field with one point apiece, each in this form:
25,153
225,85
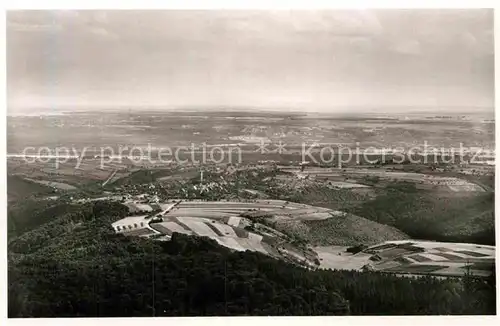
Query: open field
413,257
221,209
224,234
336,257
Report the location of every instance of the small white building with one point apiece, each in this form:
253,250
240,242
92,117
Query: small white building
130,223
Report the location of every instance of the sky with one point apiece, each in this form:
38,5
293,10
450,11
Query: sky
308,60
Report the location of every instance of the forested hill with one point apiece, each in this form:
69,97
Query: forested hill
74,265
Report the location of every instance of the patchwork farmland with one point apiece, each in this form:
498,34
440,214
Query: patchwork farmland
72,171
226,209
224,223
266,226
352,178
414,258
238,225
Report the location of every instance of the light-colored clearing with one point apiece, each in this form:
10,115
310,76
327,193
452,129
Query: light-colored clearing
434,258
225,229
330,258
234,221
251,245
199,228
230,243
144,207
257,238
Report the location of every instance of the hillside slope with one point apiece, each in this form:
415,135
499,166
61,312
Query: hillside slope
424,216
351,230
19,188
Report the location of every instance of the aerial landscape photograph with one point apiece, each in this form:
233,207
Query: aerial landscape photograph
171,163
